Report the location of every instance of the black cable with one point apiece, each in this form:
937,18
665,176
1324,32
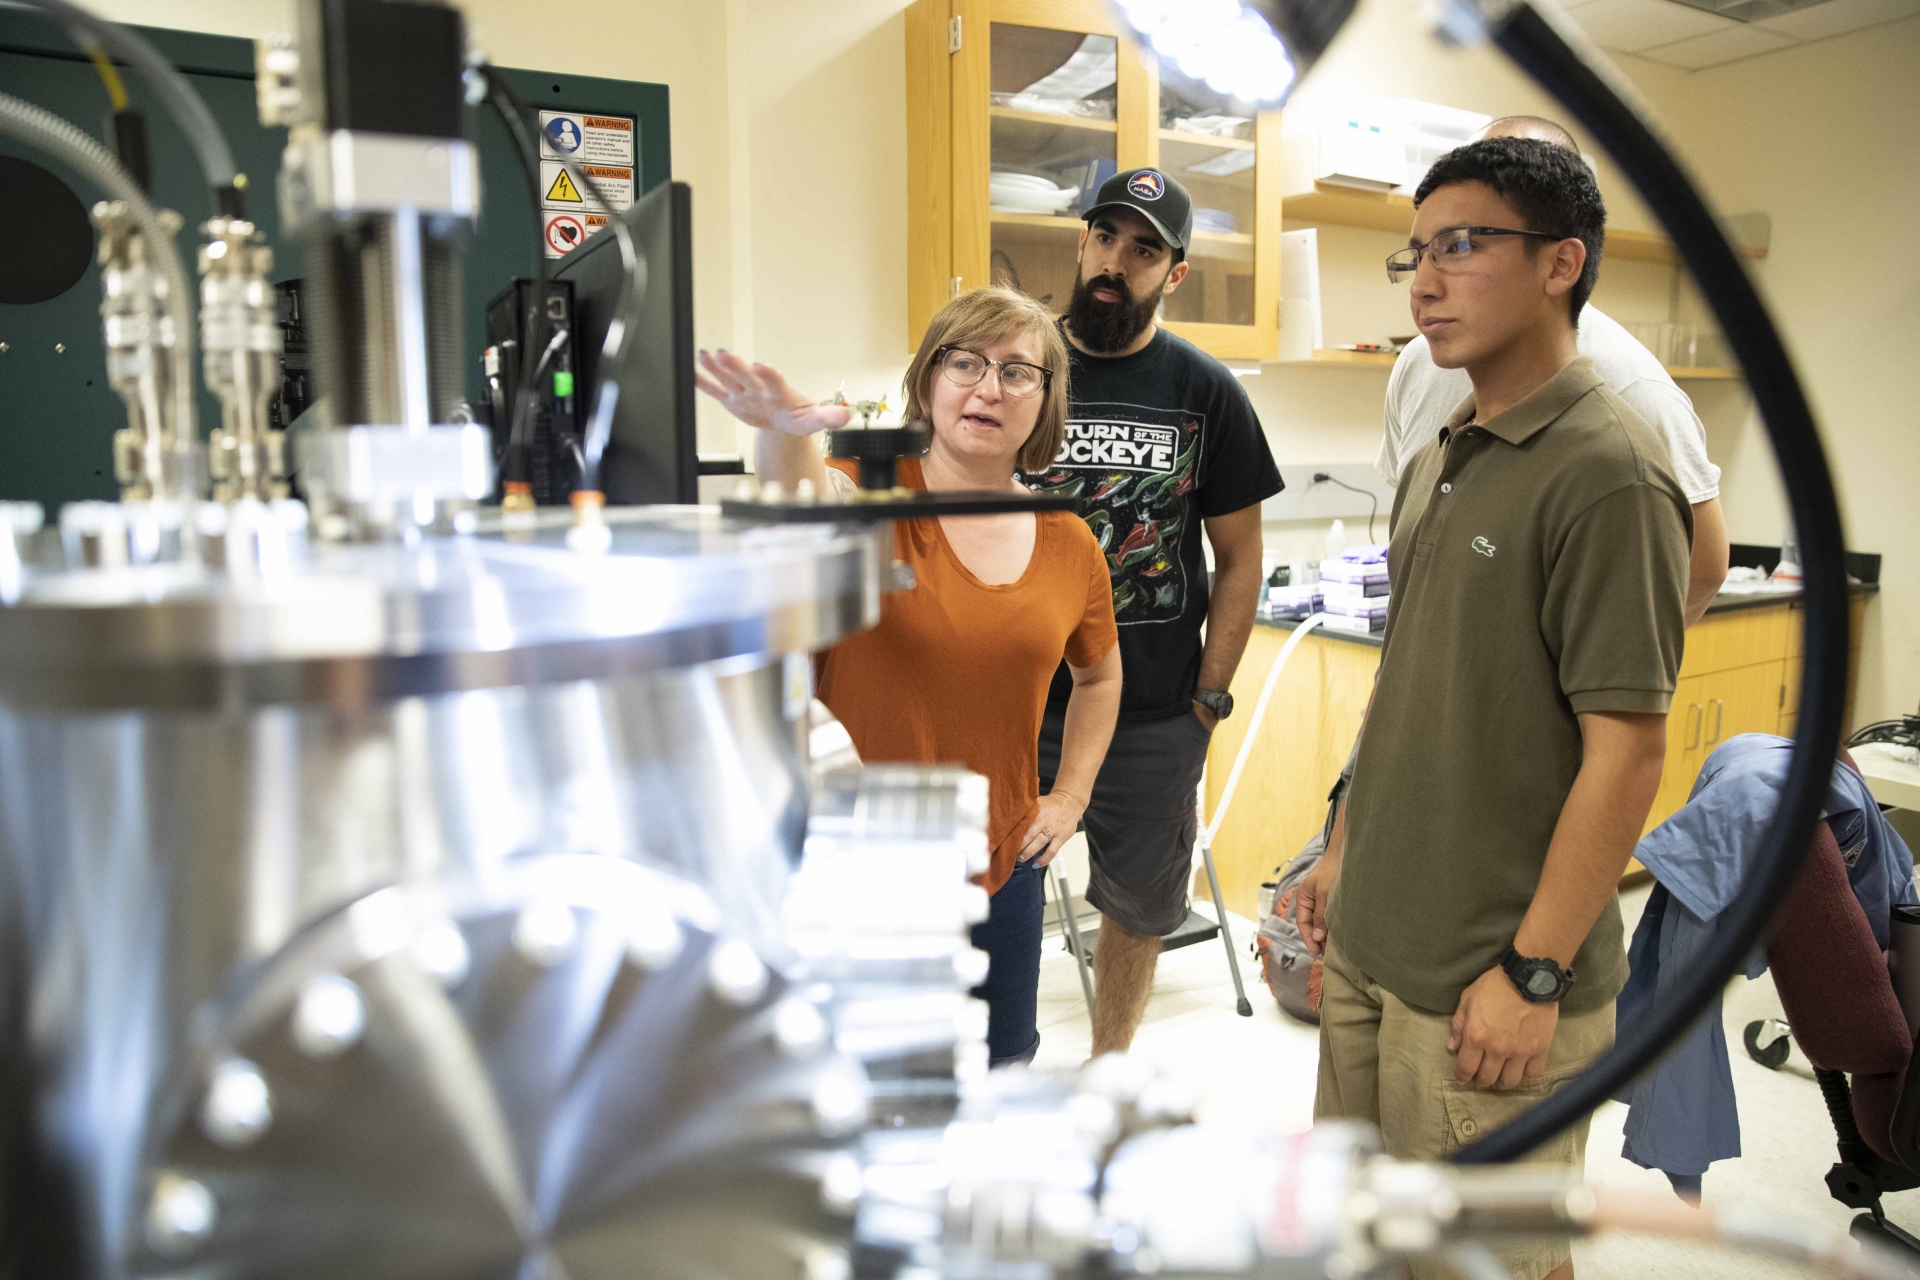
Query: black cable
1903,732
1551,52
176,96
513,112
1321,477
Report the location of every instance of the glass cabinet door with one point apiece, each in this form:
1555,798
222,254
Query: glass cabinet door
1018,110
1058,97
1053,141
1223,154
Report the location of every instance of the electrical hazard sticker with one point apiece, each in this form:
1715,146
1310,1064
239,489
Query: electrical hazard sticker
589,139
559,191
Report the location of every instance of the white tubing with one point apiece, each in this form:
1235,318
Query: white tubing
1253,725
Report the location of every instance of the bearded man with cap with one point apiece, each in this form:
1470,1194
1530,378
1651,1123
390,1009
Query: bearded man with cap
1162,448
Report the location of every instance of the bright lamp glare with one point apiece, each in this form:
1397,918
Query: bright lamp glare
1219,42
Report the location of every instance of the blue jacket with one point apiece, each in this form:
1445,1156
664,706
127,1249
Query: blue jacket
1682,1115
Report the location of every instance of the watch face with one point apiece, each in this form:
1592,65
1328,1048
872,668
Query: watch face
1542,983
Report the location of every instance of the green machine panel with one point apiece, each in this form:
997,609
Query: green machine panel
57,413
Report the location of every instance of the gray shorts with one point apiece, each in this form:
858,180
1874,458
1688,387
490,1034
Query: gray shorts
1140,819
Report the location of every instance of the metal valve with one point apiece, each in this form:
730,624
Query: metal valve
241,341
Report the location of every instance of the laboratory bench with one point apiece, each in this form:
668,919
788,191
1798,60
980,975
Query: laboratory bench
1740,673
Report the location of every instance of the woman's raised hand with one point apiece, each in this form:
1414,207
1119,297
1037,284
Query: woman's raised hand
760,397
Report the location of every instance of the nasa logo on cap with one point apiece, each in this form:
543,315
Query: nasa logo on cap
1147,184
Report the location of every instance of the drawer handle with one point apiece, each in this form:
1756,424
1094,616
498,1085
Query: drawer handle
1696,718
1719,711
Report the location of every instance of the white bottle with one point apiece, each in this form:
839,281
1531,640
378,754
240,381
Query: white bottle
1336,539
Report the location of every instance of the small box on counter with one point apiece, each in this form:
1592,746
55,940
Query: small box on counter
1359,626
1291,603
1333,588
1350,571
1355,606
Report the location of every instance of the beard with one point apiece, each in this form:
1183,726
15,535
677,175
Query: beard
1110,326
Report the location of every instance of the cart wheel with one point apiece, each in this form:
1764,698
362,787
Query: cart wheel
1771,1052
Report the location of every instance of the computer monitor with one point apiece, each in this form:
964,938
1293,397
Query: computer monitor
651,454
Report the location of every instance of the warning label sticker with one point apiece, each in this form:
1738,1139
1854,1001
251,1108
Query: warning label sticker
559,191
607,151
564,231
588,138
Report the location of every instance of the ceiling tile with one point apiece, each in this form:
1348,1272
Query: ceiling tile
1837,17
1721,46
1629,26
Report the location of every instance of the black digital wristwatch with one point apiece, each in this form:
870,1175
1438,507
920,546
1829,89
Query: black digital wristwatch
1540,981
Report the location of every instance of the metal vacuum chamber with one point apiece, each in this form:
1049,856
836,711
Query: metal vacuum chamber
365,906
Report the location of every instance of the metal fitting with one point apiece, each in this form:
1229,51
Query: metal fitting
327,175
329,1017
545,932
238,1107
153,457
181,1214
736,974
240,346
442,950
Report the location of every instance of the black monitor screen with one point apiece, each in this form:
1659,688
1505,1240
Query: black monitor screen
651,454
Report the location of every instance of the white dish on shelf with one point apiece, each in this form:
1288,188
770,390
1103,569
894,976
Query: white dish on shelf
1027,193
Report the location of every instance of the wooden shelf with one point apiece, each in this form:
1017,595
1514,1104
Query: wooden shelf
1383,211
1068,222
1048,118
1353,359
1349,207
1385,359
1205,140
1046,221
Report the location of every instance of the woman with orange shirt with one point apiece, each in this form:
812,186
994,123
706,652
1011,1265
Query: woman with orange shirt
958,668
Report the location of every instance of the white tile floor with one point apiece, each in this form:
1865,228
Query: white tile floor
1259,1072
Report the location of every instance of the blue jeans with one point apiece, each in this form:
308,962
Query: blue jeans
1011,938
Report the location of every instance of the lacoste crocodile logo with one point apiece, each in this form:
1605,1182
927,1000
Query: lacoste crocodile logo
1484,547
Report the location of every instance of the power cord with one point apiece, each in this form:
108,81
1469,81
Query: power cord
516,467
1903,732
1321,477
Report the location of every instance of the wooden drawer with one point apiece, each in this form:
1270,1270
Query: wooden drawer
1720,642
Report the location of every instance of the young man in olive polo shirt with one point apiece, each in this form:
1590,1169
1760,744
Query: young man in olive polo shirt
1539,566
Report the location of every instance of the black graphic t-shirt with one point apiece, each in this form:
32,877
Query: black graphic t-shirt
1157,441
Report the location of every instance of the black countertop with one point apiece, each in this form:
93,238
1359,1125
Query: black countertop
1722,603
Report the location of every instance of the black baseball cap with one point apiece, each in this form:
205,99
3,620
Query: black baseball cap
1153,195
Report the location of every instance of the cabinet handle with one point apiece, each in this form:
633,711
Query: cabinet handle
1719,713
1698,718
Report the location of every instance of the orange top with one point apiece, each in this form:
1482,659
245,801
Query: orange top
957,671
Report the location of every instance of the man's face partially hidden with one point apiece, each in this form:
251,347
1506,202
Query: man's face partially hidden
1125,270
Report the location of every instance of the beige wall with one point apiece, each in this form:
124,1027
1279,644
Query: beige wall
788,120
821,89
1821,138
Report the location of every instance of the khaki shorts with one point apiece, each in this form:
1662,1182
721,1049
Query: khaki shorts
1386,1062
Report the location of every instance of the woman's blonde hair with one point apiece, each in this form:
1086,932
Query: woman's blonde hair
978,320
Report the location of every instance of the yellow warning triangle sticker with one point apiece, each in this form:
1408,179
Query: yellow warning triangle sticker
563,189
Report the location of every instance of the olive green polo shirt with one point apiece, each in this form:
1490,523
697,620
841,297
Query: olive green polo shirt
1539,569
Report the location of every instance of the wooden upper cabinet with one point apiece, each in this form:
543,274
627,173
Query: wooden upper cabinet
1018,109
